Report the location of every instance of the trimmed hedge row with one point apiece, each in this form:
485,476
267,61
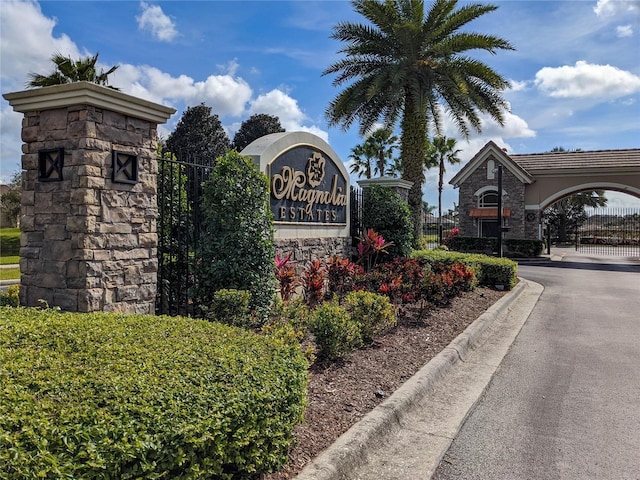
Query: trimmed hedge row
114,396
490,271
512,247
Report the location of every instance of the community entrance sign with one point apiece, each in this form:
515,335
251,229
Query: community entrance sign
307,187
309,195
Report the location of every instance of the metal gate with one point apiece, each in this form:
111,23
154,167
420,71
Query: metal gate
610,231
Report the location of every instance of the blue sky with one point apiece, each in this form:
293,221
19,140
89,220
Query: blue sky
575,73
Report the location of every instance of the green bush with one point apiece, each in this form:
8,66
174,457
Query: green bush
372,312
237,234
336,334
484,245
289,321
231,307
10,298
386,213
522,248
490,271
136,396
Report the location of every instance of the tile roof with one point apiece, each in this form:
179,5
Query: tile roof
536,162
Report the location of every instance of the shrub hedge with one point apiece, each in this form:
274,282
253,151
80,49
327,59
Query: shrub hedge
236,239
512,247
484,245
522,248
373,313
113,396
335,332
490,271
389,216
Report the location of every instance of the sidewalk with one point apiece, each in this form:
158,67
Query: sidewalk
5,283
406,436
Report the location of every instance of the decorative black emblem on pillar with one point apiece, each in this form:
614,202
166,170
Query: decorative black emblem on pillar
50,163
125,167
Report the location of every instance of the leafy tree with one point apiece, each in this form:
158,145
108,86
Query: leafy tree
237,247
442,151
566,215
198,137
412,64
69,71
254,127
11,200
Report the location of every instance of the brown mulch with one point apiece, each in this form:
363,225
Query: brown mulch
343,392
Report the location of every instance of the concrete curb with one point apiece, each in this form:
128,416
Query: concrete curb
350,449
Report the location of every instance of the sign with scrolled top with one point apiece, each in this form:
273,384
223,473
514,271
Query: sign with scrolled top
309,190
307,187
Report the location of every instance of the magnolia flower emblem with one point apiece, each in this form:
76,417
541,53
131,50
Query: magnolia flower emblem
315,169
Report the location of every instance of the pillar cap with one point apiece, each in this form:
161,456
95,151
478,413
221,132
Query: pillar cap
87,93
386,182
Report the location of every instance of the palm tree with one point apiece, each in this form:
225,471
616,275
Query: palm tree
427,208
382,143
378,147
69,71
411,64
443,151
362,159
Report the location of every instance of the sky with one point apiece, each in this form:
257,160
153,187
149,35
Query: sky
574,73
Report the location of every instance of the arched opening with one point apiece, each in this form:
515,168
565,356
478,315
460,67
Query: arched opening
602,219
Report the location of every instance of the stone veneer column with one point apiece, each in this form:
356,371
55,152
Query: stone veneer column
88,243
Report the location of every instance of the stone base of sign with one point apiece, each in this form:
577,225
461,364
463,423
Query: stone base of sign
304,250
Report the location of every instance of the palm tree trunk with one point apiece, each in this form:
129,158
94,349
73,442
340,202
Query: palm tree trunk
440,182
412,150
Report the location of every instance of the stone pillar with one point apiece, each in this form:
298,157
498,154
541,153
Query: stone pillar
400,186
89,205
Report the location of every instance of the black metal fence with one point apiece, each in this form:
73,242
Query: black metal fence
610,231
357,225
179,224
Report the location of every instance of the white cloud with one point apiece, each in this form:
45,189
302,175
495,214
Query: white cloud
154,20
516,86
586,80
28,43
624,31
11,146
613,8
226,94
292,118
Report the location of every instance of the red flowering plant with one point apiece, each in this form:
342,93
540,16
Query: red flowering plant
341,274
370,247
314,282
286,275
451,234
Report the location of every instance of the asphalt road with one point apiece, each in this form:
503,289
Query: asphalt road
565,402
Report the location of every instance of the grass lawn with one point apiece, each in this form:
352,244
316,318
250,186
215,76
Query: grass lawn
10,260
9,242
9,273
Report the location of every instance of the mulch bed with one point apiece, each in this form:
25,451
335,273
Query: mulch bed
341,393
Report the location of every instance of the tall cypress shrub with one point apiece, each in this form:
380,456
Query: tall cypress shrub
389,215
237,235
